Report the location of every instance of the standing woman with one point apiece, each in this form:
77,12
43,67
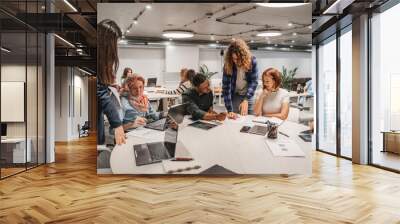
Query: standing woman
108,102
239,80
127,73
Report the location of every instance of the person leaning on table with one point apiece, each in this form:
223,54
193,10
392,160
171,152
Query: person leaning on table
136,107
239,79
273,100
200,100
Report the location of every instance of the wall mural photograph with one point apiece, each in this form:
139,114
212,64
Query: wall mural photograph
204,88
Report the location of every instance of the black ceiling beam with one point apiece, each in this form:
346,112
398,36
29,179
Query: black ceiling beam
76,61
49,22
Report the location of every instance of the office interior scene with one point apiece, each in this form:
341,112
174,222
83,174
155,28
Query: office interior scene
49,169
180,60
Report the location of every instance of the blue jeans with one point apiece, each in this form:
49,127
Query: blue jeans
237,100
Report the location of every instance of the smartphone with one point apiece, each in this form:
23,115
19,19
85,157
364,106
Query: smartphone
245,129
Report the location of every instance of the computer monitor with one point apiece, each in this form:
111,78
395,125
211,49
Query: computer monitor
3,129
151,82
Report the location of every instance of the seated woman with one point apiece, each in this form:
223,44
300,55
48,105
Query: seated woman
137,110
186,77
273,101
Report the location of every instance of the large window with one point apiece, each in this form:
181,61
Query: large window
327,95
346,92
385,89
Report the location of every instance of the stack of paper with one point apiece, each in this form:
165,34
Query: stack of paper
262,119
284,147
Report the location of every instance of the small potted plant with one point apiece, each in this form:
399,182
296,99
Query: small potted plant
288,77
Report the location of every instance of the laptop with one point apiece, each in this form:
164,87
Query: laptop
151,82
177,113
155,152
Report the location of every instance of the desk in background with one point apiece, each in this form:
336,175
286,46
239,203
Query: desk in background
391,141
13,150
153,95
223,145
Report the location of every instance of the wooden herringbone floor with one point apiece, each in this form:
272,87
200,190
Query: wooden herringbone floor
69,191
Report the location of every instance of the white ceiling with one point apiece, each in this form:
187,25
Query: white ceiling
164,16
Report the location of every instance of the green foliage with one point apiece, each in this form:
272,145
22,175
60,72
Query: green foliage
288,77
204,70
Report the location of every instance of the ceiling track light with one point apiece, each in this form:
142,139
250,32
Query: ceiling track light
70,5
65,41
84,71
281,5
135,21
5,50
148,6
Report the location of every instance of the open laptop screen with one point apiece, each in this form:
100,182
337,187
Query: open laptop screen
171,136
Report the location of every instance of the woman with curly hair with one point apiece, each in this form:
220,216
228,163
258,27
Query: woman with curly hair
239,80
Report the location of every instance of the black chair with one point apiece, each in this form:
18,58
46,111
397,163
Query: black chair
84,130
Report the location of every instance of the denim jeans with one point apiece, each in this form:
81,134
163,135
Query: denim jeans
237,100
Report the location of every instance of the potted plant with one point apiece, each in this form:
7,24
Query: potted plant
288,77
204,70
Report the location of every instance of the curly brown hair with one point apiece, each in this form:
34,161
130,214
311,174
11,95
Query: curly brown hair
240,48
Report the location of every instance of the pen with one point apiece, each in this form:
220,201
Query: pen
182,159
284,134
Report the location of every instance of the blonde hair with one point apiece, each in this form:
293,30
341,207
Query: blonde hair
240,48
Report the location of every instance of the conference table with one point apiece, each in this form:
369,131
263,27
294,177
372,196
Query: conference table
223,145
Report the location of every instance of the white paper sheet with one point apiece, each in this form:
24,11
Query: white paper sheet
284,147
262,119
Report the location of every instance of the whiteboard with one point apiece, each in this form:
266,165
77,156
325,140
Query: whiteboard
12,101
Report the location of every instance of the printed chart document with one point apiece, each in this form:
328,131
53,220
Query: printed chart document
142,132
284,147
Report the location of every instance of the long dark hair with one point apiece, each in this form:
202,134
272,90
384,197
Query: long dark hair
126,70
108,33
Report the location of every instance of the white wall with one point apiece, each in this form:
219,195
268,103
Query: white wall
155,62
148,62
69,82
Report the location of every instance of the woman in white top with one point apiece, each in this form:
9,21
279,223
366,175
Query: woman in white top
273,101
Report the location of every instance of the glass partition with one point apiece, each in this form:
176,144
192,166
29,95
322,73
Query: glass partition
327,96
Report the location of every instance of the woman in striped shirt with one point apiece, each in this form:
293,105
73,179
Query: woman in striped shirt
186,79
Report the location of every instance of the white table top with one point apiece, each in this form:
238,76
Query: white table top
224,145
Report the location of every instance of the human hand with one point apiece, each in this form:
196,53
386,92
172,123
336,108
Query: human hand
221,116
141,103
232,115
244,107
119,135
140,121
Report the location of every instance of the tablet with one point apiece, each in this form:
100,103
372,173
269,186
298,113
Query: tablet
202,125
